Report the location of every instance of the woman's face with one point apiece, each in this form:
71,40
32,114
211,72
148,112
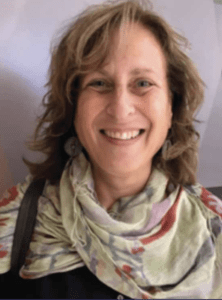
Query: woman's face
124,109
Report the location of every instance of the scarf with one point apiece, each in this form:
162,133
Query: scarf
146,246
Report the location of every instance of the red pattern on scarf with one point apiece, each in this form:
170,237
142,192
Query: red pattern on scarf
211,201
166,223
3,253
13,193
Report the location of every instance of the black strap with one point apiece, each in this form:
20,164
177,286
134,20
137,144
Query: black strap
25,224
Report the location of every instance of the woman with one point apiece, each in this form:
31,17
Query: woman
121,214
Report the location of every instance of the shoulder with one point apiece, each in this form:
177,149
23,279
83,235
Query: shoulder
12,197
208,200
9,207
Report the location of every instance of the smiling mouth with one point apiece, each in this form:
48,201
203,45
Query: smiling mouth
128,135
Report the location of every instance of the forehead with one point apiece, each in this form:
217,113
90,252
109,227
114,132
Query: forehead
138,43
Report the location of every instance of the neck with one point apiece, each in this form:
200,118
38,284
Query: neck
109,188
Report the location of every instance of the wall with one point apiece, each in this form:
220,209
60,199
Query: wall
210,158
26,29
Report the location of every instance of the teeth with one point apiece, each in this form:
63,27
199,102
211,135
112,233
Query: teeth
122,135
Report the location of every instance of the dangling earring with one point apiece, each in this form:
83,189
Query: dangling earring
73,146
167,144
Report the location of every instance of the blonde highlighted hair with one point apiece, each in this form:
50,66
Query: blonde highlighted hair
83,47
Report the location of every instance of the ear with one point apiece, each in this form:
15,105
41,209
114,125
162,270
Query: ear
171,117
171,109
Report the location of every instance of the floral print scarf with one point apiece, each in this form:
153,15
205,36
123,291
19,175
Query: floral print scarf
147,245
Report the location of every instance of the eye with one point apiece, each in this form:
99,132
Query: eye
98,83
143,83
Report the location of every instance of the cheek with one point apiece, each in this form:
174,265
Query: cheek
159,114
86,113
81,127
88,105
158,109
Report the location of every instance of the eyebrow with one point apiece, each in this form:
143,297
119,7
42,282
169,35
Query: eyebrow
135,71
141,70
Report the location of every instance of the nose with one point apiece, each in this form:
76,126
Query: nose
120,104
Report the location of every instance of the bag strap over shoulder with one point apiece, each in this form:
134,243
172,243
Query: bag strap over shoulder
25,224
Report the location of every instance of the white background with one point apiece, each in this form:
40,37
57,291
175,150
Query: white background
26,30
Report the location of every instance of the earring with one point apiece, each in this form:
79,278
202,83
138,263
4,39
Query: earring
72,146
167,144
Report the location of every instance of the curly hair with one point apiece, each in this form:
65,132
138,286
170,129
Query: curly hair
84,47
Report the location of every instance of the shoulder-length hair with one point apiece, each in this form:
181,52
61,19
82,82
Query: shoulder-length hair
83,47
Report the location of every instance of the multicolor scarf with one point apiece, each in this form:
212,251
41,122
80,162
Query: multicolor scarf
146,246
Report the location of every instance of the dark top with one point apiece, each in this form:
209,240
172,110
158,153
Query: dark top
76,284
